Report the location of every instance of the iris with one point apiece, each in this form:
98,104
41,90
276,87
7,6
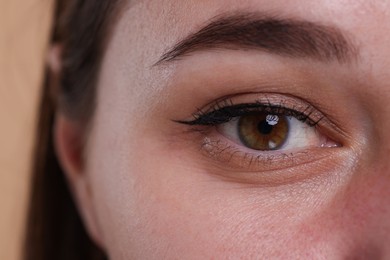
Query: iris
263,131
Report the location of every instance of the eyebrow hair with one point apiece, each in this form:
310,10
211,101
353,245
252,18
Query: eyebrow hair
285,37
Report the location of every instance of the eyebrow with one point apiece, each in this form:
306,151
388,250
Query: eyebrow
285,37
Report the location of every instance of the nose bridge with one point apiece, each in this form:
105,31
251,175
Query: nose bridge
371,181
379,199
373,173
366,215
367,209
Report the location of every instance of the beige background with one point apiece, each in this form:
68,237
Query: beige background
24,27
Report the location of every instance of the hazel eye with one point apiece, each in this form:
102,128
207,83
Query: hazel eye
263,131
267,132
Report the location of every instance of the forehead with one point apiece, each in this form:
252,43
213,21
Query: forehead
148,29
349,13
164,23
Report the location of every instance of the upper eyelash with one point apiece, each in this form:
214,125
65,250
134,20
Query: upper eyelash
223,112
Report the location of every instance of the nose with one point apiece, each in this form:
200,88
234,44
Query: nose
366,212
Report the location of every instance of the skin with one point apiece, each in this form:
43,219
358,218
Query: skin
147,190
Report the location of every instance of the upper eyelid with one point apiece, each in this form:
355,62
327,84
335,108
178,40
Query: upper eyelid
243,109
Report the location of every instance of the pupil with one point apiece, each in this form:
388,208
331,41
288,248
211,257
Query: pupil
264,128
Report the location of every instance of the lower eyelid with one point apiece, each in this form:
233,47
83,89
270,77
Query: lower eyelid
276,168
231,155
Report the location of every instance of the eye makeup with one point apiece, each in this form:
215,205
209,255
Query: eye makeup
226,110
232,152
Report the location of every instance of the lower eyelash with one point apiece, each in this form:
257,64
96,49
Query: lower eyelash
226,153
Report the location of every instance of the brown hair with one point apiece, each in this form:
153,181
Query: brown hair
54,227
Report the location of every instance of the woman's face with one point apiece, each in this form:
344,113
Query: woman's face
283,145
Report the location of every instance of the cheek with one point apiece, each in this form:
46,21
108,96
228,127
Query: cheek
154,200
